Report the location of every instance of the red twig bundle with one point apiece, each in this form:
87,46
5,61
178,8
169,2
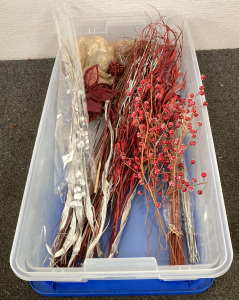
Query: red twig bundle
154,62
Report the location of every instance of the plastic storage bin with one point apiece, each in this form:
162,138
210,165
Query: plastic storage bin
131,272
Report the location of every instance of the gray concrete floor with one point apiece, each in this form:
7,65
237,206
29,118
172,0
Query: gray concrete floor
23,86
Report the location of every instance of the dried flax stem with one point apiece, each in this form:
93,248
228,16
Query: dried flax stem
106,189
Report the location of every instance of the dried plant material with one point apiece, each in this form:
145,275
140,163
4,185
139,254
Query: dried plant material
132,91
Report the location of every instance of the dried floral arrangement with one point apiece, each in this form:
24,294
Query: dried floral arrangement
134,95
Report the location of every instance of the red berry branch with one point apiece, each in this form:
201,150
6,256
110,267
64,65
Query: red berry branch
159,151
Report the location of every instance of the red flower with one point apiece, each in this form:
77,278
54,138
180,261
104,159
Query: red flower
96,93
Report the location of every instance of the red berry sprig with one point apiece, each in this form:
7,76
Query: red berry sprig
158,147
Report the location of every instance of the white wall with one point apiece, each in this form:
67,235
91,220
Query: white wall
27,28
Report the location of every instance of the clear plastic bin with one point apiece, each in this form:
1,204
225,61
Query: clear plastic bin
42,207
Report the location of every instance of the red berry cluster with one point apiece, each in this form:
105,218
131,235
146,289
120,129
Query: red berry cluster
161,137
